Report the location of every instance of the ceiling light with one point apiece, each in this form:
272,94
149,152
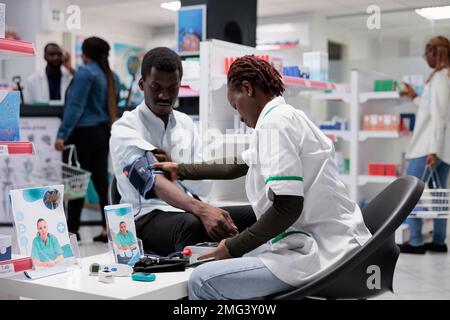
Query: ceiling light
172,5
435,13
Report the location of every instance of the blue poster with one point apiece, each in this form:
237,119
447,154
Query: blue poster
127,65
191,29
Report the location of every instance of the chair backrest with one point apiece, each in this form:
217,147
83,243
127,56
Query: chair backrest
348,278
113,193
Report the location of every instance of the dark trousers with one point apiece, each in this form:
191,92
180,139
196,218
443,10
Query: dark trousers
92,145
166,232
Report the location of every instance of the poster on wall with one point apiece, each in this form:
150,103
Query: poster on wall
191,29
127,65
20,171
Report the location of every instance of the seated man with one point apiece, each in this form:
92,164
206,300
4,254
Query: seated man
172,218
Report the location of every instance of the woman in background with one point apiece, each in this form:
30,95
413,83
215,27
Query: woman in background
89,111
430,145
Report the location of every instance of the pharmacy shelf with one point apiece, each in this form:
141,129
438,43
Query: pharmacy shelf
188,92
333,96
335,134
16,148
382,95
364,135
307,84
10,48
193,83
304,84
365,179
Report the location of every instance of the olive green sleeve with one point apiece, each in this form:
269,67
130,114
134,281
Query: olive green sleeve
226,169
280,216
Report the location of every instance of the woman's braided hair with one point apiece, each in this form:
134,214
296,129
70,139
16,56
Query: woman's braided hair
256,71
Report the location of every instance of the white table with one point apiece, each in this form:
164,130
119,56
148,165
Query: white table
77,284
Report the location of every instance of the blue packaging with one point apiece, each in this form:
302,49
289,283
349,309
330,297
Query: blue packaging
5,247
9,115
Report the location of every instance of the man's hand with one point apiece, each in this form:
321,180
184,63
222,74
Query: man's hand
68,63
161,155
59,144
170,167
217,222
220,253
432,160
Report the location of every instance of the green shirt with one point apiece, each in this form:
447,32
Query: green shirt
46,251
125,240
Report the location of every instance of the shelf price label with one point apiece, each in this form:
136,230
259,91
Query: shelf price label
3,149
6,268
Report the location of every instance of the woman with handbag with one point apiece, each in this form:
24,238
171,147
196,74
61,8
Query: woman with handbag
429,151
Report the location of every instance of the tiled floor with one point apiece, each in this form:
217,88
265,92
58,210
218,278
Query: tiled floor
416,276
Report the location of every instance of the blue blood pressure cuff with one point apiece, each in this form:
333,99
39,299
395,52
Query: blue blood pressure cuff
142,176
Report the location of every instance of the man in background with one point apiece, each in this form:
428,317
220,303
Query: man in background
51,83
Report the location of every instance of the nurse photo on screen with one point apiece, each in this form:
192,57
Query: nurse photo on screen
46,251
125,239
306,221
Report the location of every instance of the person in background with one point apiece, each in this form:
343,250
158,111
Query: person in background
430,145
89,111
52,83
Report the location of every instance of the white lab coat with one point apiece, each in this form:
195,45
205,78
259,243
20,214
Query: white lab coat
432,128
289,155
37,89
141,130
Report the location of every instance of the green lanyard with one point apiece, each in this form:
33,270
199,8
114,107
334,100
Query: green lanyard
285,234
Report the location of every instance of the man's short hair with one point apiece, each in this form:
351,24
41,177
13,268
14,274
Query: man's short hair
49,45
163,59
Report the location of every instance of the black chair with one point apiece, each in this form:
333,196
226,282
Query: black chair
348,279
113,194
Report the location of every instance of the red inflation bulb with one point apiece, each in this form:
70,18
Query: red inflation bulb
187,252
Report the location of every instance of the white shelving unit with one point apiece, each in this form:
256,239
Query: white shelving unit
358,100
14,49
10,48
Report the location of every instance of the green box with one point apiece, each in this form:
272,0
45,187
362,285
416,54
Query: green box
385,85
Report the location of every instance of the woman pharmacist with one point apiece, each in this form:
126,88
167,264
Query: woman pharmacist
430,144
306,222
89,110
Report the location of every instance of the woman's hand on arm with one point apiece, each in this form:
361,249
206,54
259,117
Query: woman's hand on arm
170,167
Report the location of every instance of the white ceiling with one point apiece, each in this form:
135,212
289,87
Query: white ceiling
150,13
397,16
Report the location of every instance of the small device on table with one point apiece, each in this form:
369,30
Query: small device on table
116,270
142,276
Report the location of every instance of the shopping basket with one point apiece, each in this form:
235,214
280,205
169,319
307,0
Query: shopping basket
434,202
74,178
